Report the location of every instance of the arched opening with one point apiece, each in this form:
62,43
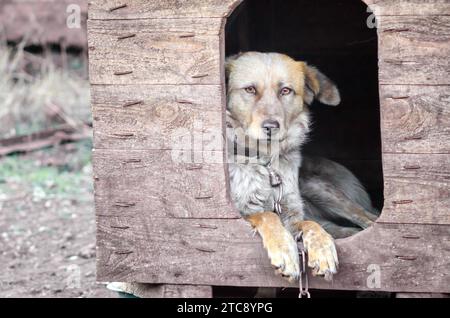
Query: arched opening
339,38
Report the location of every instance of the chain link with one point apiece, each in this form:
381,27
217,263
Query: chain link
276,182
304,290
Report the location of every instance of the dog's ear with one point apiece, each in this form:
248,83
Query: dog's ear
229,65
320,87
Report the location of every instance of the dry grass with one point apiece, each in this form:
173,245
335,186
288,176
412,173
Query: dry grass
47,225
31,87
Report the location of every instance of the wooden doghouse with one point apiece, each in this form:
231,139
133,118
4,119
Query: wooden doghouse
156,67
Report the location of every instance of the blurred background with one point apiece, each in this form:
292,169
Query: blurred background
47,225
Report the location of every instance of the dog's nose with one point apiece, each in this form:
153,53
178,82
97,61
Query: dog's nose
270,125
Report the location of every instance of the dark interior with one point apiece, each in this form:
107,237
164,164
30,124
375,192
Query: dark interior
333,36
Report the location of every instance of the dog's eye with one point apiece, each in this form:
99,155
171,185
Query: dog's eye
250,90
285,91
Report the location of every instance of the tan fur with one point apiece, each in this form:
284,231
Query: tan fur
312,80
280,244
267,74
320,247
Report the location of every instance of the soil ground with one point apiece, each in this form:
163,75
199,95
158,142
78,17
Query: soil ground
47,224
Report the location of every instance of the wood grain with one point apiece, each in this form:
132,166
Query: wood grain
141,9
144,9
414,50
184,27
157,117
416,188
421,295
409,7
157,183
173,56
166,291
224,252
415,119
162,221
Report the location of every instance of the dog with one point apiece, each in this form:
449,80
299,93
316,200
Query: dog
282,194
268,120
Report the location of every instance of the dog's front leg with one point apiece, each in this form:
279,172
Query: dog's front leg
279,242
319,245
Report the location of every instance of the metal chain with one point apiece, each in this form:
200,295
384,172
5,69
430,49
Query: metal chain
303,273
276,182
277,202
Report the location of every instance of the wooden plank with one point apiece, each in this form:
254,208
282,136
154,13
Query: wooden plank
143,9
164,290
421,295
182,291
414,50
159,183
157,117
411,258
416,188
409,7
186,27
140,9
37,141
43,134
139,54
415,119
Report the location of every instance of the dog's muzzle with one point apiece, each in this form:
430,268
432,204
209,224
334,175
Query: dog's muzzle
270,127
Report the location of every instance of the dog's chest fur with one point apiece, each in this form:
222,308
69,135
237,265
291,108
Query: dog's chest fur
251,189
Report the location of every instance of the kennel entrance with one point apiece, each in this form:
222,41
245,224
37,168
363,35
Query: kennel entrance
155,67
340,39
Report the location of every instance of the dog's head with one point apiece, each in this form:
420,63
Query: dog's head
268,94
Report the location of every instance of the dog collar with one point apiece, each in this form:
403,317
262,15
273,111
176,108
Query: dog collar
265,161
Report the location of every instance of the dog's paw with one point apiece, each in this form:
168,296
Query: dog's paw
283,254
322,256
